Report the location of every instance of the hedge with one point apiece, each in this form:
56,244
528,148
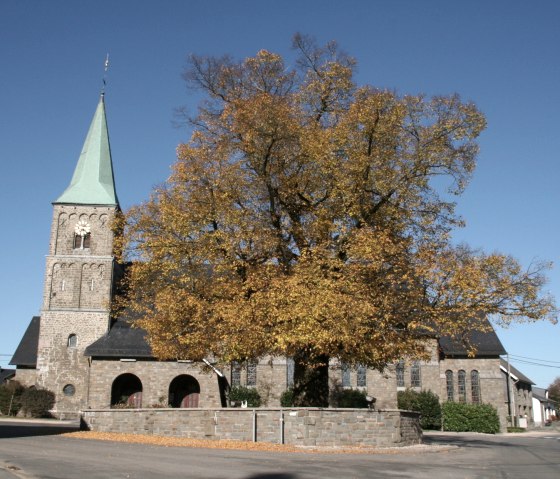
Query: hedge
425,402
37,402
463,417
350,398
240,394
10,394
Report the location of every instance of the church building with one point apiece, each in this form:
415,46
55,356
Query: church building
89,360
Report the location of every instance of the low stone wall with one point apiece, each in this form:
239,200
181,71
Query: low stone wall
300,427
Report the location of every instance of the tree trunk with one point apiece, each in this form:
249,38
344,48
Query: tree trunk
311,380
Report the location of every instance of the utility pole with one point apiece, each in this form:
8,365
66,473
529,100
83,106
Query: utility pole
511,396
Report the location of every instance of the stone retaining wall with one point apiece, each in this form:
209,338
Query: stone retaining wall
300,427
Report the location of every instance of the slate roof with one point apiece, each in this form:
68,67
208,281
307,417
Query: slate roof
121,341
486,343
515,372
6,374
26,352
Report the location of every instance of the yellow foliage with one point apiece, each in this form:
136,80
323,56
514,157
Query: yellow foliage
302,216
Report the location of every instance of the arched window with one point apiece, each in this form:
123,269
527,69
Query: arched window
361,377
400,374
126,391
415,379
290,368
82,242
72,341
475,386
252,373
462,386
449,384
235,374
345,370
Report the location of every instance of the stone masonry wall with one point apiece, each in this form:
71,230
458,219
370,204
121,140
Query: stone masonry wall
76,300
300,427
155,376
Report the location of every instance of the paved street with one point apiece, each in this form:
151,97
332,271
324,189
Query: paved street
29,450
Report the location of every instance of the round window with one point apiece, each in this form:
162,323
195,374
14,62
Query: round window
69,390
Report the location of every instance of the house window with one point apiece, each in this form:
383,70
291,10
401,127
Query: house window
462,386
415,379
290,367
475,387
252,373
400,374
449,384
345,369
72,341
235,374
81,242
361,380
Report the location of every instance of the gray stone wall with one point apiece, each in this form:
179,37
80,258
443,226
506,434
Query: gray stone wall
26,376
300,427
76,301
155,376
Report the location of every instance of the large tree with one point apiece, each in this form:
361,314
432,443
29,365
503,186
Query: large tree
554,391
310,217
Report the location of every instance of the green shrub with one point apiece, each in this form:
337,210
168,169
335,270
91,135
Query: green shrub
349,398
426,403
10,394
37,402
239,394
287,398
462,417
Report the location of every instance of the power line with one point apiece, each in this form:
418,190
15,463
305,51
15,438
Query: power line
534,364
535,359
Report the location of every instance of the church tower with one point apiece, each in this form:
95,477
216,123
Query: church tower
79,272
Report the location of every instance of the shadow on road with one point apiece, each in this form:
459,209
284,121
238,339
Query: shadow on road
471,441
26,429
272,475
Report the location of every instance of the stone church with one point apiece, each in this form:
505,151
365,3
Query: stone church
89,360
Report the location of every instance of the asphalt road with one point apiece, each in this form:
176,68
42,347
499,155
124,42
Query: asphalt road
30,450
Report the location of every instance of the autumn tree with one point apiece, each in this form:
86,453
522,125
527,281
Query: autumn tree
554,391
302,219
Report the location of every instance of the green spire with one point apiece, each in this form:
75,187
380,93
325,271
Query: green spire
93,182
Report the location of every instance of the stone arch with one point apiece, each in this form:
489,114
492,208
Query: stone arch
126,391
184,392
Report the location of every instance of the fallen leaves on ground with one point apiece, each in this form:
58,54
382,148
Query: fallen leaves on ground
166,441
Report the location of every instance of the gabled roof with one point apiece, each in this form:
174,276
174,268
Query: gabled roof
93,182
515,373
121,341
6,374
486,343
26,352
539,393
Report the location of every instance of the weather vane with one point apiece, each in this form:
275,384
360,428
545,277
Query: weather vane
105,74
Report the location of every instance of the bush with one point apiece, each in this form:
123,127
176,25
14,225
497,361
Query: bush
10,394
287,398
239,394
426,403
37,402
462,417
350,398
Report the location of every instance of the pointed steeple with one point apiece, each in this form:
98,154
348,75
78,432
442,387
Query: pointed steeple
93,182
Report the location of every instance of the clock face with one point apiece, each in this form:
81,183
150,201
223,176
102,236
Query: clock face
82,228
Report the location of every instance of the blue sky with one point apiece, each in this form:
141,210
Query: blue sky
503,55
